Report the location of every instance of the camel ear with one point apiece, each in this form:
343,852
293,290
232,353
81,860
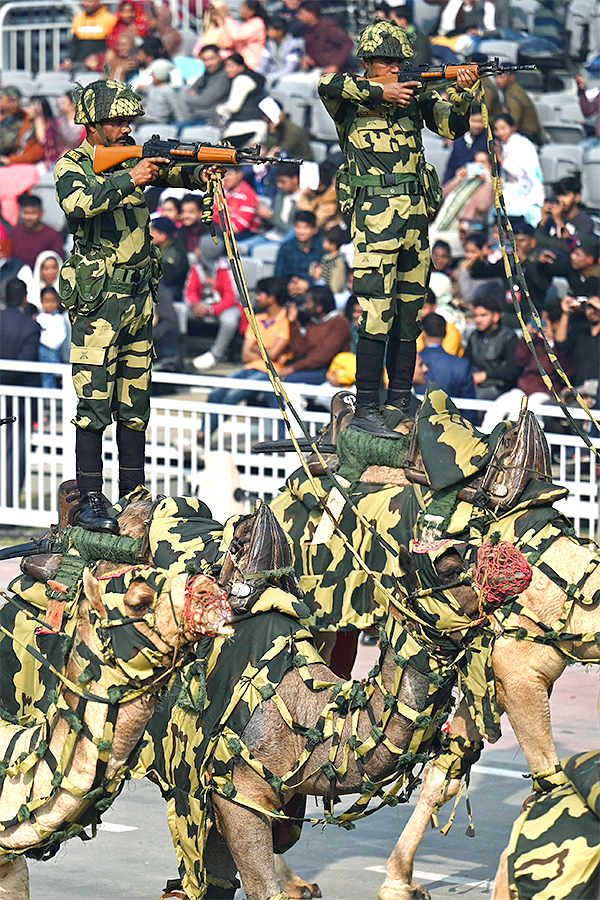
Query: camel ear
408,567
91,587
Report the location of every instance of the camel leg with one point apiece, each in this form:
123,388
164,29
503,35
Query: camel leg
525,674
501,886
250,841
293,884
14,879
436,790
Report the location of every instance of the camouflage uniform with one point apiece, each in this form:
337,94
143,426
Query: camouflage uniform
107,282
384,153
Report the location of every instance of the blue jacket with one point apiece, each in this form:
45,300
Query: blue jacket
452,373
292,260
461,154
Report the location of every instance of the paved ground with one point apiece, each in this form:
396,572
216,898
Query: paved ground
132,856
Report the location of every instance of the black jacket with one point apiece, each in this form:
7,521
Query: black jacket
494,352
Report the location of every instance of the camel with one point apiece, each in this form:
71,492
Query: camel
90,737
279,749
524,673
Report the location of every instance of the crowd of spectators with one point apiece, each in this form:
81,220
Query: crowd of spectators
471,343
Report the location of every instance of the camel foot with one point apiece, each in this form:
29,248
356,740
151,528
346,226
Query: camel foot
303,891
392,889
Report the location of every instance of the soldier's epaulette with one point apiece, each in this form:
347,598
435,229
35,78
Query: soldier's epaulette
76,155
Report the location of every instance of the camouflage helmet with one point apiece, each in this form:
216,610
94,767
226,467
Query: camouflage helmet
103,100
384,39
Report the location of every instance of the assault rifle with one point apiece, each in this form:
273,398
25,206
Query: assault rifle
182,153
449,73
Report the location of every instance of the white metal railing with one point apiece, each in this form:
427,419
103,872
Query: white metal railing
179,448
33,35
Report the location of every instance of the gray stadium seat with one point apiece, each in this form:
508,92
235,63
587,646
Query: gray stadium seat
53,84
438,158
207,133
23,80
506,51
545,112
559,160
564,132
144,131
319,150
253,270
322,126
590,194
266,252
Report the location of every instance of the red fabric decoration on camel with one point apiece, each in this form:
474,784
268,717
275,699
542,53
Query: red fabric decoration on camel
502,572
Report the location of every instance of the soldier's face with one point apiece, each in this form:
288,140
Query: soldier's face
379,67
117,130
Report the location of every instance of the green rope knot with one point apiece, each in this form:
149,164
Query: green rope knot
8,717
103,804
481,499
115,692
368,787
40,750
24,813
520,633
276,783
423,721
353,742
377,734
597,637
374,671
299,660
329,771
400,660
436,679
228,790
338,686
314,736
550,637
4,763
66,645
57,779
103,745
391,800
494,537
235,745
534,558
358,696
389,700
85,678
74,723
267,691
53,697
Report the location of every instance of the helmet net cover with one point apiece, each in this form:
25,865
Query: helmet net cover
102,100
387,40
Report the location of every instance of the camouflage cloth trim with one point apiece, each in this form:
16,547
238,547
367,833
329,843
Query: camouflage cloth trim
384,39
554,848
106,99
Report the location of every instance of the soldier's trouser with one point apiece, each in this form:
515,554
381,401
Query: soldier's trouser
391,263
112,353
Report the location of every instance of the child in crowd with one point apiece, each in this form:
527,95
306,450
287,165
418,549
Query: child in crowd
53,333
333,265
160,100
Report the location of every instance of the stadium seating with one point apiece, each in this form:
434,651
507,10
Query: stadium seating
145,131
207,133
591,180
53,84
564,132
559,160
505,51
267,253
23,80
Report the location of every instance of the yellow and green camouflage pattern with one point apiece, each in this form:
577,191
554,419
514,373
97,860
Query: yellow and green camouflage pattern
384,39
106,99
389,221
554,847
109,284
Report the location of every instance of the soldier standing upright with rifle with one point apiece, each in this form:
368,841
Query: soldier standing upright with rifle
391,192
108,284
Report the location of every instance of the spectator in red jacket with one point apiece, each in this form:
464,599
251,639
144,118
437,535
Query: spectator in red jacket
214,297
328,47
31,236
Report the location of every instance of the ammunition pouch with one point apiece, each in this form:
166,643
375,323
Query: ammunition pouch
430,188
344,191
520,455
83,279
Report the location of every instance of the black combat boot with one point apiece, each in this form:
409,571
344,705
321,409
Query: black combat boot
369,368
93,514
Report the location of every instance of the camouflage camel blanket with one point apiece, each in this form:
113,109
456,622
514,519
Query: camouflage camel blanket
554,847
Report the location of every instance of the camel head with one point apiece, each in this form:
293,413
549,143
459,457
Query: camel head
258,554
141,618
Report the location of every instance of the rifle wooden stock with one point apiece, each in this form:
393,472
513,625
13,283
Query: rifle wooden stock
108,157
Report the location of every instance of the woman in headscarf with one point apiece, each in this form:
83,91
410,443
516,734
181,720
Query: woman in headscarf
248,37
131,19
45,274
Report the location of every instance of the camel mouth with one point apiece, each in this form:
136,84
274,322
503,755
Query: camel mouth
207,610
